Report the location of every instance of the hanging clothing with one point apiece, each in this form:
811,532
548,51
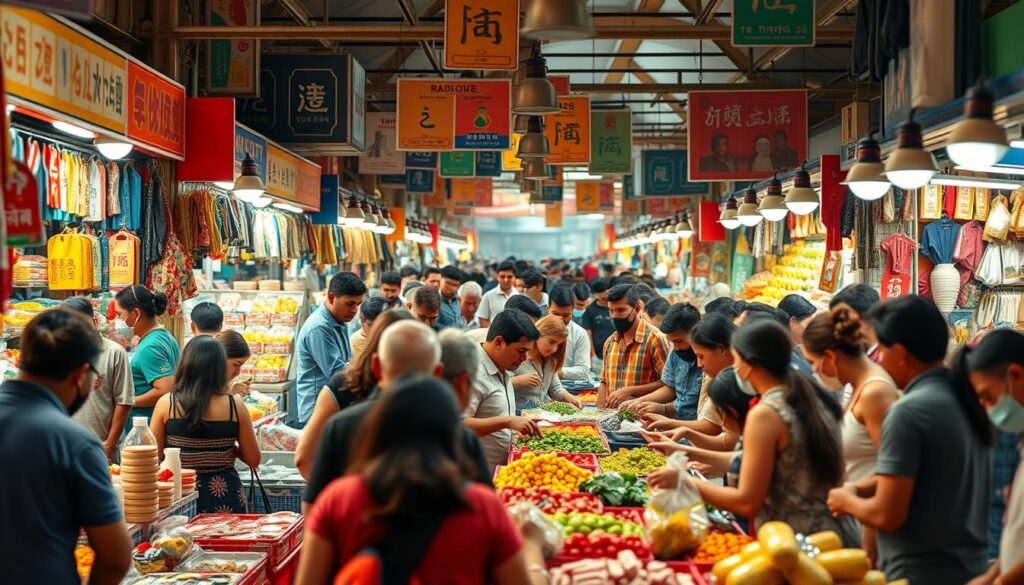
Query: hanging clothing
865,255
939,239
899,249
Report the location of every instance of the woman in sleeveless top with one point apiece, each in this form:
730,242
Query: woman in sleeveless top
792,454
211,428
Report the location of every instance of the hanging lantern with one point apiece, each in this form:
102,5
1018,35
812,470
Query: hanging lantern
910,166
773,206
802,198
866,179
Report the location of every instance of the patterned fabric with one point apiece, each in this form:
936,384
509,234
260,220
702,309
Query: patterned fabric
639,362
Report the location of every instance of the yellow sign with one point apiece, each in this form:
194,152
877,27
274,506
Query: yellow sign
588,196
481,35
53,65
293,178
463,192
426,118
568,131
632,207
553,215
509,160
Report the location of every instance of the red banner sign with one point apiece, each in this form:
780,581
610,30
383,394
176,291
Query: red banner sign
745,135
22,208
156,111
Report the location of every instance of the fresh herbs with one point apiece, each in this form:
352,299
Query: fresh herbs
617,490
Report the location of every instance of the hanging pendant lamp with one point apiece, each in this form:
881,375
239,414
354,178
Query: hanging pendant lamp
802,198
248,186
522,124
534,144
728,217
910,166
535,169
748,214
684,229
558,20
773,206
977,141
867,177
535,95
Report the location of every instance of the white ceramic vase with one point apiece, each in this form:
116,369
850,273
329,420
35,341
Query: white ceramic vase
945,282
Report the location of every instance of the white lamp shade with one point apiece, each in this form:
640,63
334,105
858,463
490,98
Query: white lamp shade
112,148
773,208
976,142
729,223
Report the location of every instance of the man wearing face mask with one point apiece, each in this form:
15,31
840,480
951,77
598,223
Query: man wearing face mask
577,347
56,480
634,356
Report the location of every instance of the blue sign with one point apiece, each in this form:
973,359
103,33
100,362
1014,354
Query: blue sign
329,190
664,175
392,180
421,160
249,143
419,180
488,163
629,188
552,194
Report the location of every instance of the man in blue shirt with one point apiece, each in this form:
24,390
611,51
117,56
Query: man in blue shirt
322,346
56,480
451,312
681,377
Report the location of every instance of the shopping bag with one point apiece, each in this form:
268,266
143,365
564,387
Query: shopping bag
676,518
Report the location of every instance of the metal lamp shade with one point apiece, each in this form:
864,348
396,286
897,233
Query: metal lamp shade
534,145
773,208
557,20
910,166
522,124
535,169
976,141
535,96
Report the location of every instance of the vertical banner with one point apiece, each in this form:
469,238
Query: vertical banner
568,132
708,227
720,254
457,164
381,158
232,66
421,160
588,196
607,196
745,135
419,180
509,160
553,215
742,270
772,23
329,201
484,193
450,114
481,35
665,175
488,163
611,142
700,259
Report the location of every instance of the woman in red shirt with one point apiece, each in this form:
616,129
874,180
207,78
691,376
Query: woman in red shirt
408,477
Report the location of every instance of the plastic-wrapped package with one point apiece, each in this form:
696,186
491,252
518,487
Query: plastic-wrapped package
277,436
677,520
528,513
168,548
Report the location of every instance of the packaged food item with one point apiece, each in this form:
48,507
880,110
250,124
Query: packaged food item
277,436
676,518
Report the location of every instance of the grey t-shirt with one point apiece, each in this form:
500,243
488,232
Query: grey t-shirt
113,387
926,437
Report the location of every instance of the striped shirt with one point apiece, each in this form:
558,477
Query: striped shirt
639,362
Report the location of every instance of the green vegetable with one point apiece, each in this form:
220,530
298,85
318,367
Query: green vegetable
585,523
563,442
559,408
639,461
628,415
617,490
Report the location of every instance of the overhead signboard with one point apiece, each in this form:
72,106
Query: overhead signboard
458,164
451,114
420,160
665,175
484,192
553,189
436,198
488,163
745,135
568,131
632,207
553,215
156,111
770,23
588,196
481,35
611,142
509,160
419,180
293,178
381,157
607,196
232,65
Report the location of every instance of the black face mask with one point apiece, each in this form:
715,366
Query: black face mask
687,355
77,403
622,325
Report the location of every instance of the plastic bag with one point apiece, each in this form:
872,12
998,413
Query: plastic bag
168,548
676,519
997,225
526,513
277,436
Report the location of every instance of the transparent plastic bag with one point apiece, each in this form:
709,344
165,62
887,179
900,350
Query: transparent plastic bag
526,514
277,436
167,549
677,521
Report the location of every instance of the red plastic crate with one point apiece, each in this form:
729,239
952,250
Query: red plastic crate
634,515
276,549
285,573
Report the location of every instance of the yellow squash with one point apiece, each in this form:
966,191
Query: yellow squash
825,541
848,564
872,578
756,571
725,566
807,572
779,543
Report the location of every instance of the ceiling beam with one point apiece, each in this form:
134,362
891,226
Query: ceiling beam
398,57
426,32
736,55
297,10
666,88
646,78
411,18
626,48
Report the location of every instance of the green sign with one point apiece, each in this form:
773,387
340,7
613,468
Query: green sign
742,270
458,164
764,23
611,142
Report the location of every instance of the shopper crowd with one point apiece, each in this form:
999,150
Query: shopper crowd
855,419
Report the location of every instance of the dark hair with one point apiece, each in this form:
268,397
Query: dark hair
656,306
724,391
139,297
561,296
913,322
409,270
608,267
359,376
430,271
525,304
838,330
600,285
409,452
721,305
581,291
649,281
208,316
680,318
235,346
624,291
859,297
521,266
512,325
57,342
991,356
81,305
477,277
716,138
768,344
391,278
453,273
531,277
427,297
646,292
372,308
714,330
411,285
624,278
201,373
346,284
794,307
506,267
757,307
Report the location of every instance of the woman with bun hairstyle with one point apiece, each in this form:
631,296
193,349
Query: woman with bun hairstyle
156,355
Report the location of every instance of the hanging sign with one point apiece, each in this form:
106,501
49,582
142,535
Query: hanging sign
509,160
392,181
469,193
156,111
568,132
481,35
561,83
588,196
700,259
832,270
452,114
632,207
745,135
457,164
607,196
314,104
434,199
484,193
553,215
293,178
381,157
611,142
720,253
664,175
894,285
768,23
209,140
232,66
553,189
421,160
330,190
22,208
488,163
658,206
419,181
709,229
629,187
249,143
742,270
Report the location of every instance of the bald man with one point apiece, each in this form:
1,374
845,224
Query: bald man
406,347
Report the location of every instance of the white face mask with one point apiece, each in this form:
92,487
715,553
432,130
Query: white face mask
122,330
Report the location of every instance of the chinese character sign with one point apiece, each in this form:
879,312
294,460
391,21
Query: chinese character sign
22,208
664,175
447,114
156,111
382,157
481,34
293,178
764,23
611,142
745,135
568,131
